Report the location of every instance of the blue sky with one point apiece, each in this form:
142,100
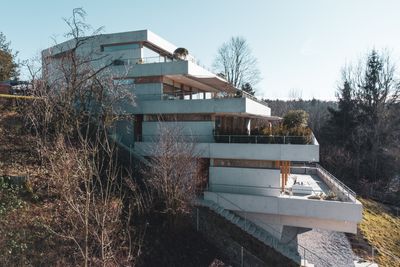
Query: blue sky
301,45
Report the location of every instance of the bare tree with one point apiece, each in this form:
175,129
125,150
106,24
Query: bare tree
174,172
73,116
236,63
89,183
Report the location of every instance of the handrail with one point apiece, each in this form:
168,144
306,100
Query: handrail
250,139
175,96
153,59
164,59
270,227
264,139
338,183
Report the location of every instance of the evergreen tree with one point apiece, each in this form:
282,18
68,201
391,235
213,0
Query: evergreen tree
363,130
248,88
342,121
8,66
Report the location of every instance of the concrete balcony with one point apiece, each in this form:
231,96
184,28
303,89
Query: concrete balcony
242,105
283,152
293,211
262,199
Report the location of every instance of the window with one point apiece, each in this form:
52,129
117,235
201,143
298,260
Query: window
119,82
119,47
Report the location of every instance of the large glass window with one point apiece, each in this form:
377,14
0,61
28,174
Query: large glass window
119,47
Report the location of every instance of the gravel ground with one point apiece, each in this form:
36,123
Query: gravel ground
333,247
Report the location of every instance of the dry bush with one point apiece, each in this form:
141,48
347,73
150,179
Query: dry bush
72,119
174,172
89,183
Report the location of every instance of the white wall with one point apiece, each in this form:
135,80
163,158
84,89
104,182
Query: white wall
245,180
225,105
265,152
249,151
200,131
253,107
351,213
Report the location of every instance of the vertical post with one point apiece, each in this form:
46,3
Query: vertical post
130,154
241,256
197,221
284,141
245,220
229,139
373,254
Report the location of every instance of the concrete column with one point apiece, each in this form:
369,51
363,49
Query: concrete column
248,126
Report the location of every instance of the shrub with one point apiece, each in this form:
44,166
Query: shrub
295,119
330,196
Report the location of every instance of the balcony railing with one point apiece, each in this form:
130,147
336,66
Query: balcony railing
337,186
335,182
263,139
147,60
163,59
179,96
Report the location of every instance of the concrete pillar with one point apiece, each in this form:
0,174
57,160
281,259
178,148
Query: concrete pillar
248,126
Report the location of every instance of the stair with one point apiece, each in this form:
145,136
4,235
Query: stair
257,232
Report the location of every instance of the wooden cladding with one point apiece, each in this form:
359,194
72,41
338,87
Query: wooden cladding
149,79
178,117
241,163
285,172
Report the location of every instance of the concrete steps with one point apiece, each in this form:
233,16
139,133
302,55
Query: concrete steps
257,232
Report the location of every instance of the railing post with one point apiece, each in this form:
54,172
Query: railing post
197,221
241,256
284,140
229,137
373,254
245,220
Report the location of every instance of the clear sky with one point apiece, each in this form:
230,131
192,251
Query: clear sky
301,45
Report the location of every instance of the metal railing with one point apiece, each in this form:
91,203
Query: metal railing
163,59
351,195
148,60
264,139
171,96
241,139
277,244
180,96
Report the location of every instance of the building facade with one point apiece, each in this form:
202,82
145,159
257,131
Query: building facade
274,181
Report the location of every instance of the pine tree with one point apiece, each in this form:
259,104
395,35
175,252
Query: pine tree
8,66
248,88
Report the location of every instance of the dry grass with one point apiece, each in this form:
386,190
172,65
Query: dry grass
381,228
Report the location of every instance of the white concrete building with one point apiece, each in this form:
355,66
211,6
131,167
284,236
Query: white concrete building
255,176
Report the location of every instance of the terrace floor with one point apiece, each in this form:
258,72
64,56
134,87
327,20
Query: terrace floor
305,185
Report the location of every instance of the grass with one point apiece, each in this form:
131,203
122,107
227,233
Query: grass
381,229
